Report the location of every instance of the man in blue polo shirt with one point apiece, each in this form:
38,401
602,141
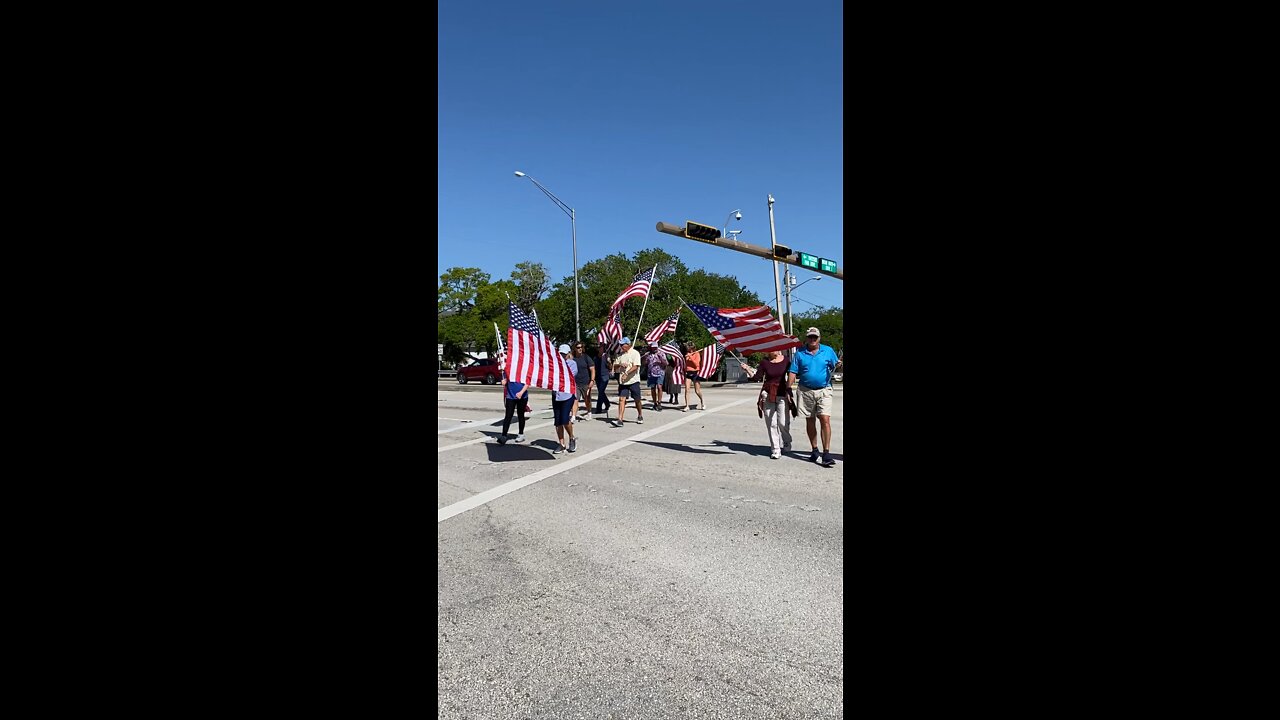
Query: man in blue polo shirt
812,366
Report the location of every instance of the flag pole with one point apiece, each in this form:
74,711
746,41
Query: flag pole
653,279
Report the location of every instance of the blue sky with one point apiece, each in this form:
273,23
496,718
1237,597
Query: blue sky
638,113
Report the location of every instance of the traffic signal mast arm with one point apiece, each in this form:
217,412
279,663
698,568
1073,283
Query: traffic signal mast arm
791,257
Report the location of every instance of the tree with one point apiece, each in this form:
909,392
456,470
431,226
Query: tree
828,320
532,282
458,288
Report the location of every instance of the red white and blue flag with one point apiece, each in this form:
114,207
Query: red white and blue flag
532,358
666,326
611,333
677,367
710,355
746,330
502,352
638,287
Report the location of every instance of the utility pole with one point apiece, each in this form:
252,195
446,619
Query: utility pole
790,281
773,244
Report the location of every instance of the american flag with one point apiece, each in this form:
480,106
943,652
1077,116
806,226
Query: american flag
502,352
711,355
638,287
611,333
677,368
747,330
668,325
533,359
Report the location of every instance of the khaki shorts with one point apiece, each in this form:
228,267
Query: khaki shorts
815,402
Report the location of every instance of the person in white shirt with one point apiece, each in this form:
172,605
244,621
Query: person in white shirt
627,367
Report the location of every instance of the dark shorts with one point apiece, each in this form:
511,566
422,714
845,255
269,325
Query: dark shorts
563,410
692,377
655,381
633,390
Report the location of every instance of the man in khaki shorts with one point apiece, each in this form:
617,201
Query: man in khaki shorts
810,374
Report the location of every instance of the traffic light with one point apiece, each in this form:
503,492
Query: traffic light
698,231
781,251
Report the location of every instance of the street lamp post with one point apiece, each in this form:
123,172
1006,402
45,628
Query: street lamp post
573,220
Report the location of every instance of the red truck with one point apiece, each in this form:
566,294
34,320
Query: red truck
485,370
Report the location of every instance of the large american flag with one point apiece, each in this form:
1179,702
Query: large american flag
533,360
711,355
666,326
747,330
638,287
677,368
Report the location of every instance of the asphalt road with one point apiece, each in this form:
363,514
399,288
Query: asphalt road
665,570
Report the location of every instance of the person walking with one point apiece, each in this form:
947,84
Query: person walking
811,367
514,398
669,385
627,366
692,359
655,363
776,405
585,379
562,406
603,374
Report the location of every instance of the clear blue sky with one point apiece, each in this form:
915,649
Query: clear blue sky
634,113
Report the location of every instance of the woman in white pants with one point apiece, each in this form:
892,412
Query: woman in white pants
776,404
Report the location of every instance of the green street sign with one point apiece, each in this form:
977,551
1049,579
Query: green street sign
828,265
809,261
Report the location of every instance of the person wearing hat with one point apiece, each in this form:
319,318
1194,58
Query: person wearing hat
655,363
810,372
562,406
627,366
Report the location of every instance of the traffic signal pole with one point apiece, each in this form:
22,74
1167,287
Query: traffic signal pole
748,248
773,252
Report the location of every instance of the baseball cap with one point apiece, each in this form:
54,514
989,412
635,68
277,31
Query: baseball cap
814,331
564,348
625,341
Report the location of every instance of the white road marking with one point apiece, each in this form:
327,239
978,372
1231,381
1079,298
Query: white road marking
473,424
527,428
479,499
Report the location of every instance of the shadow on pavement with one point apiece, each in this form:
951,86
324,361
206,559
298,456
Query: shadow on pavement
513,451
683,448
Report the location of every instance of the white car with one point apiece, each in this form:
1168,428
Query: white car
837,377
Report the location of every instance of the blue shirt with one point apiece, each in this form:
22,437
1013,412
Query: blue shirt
513,387
813,370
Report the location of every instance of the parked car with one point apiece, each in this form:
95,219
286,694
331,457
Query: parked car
837,377
486,371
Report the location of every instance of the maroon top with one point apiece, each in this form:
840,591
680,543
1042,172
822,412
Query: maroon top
774,377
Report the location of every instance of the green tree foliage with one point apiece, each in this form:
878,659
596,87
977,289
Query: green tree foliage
532,283
829,320
458,288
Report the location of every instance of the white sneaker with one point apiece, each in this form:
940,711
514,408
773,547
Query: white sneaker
640,421
775,455
519,438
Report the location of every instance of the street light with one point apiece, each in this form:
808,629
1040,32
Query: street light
791,323
577,314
